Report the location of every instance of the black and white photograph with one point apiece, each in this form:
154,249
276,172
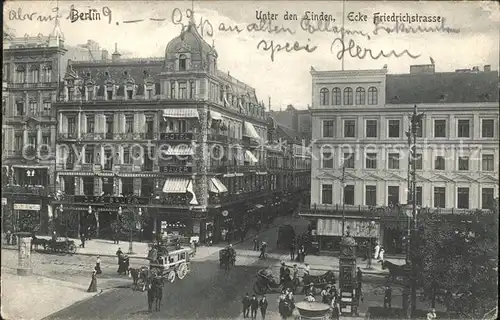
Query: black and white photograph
209,159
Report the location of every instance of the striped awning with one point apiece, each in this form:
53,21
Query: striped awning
250,131
180,113
357,227
215,116
249,157
179,150
216,186
176,185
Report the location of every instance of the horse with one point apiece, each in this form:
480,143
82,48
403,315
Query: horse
139,274
321,280
35,242
155,293
395,270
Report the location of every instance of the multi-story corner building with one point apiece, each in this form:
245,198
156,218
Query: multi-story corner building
173,136
29,85
360,118
295,120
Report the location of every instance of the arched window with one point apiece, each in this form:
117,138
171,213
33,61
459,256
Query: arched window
182,62
336,97
348,96
372,95
324,96
360,96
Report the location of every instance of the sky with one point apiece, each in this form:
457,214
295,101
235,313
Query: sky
468,36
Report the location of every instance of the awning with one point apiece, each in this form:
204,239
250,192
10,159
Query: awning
357,227
250,131
216,186
215,116
176,185
249,157
180,113
179,150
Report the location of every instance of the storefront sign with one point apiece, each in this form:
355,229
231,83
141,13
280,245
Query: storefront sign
116,200
176,136
176,169
4,201
25,206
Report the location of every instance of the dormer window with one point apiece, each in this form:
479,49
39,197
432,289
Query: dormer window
182,62
130,94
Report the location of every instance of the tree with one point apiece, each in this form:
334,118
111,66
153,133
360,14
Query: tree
457,261
129,220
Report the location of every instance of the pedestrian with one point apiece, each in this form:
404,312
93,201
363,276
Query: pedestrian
263,306
263,248
119,254
295,275
246,305
282,271
254,306
98,265
381,254
292,250
307,269
93,282
325,297
54,237
387,297
359,275
255,244
116,239
82,239
335,312
431,315
8,237
377,251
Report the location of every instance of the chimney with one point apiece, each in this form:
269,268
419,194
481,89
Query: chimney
487,68
116,55
422,69
104,55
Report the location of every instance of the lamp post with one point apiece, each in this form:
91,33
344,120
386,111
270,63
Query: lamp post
61,210
370,227
343,199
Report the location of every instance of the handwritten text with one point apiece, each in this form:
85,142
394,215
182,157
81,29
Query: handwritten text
270,46
355,51
326,26
400,27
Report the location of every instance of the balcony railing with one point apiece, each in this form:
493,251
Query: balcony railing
67,135
218,138
30,190
129,168
132,200
32,85
176,136
173,200
177,168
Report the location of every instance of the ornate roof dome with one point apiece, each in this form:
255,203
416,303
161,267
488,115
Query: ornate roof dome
189,41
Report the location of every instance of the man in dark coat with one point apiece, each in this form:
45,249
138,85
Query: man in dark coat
254,306
282,272
292,250
263,306
246,305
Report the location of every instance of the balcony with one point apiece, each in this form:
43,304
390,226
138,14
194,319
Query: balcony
176,136
173,200
129,168
67,135
177,168
217,138
90,167
26,190
37,85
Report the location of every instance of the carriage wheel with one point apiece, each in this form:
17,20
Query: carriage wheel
72,249
171,276
182,271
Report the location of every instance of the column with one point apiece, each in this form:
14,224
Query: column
25,137
476,128
176,89
39,139
79,125
40,100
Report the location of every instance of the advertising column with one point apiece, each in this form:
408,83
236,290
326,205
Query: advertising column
24,254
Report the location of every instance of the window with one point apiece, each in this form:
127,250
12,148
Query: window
487,199
420,128
371,161
107,186
33,107
327,194
439,128
439,197
192,88
90,123
336,97
348,96
32,140
463,198
127,186
371,128
488,163
47,73
149,93
89,154
88,186
463,129
393,195
349,160
130,94
69,185
371,195
349,195
46,139
324,96
47,106
18,143
393,161
20,74
109,126
71,159
488,128
129,123
149,128
327,158
418,196
20,107
109,95
126,155
172,90
34,74
349,128
360,96
439,163
463,163
71,126
108,159
328,128
418,161
372,96
182,90
182,62
394,130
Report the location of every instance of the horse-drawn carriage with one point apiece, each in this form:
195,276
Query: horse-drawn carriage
227,258
266,282
53,246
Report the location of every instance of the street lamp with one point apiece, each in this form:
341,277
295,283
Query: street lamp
61,210
371,227
133,219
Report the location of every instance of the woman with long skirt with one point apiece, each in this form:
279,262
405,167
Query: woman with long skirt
93,283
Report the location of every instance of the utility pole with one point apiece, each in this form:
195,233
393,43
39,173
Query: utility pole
415,121
343,199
